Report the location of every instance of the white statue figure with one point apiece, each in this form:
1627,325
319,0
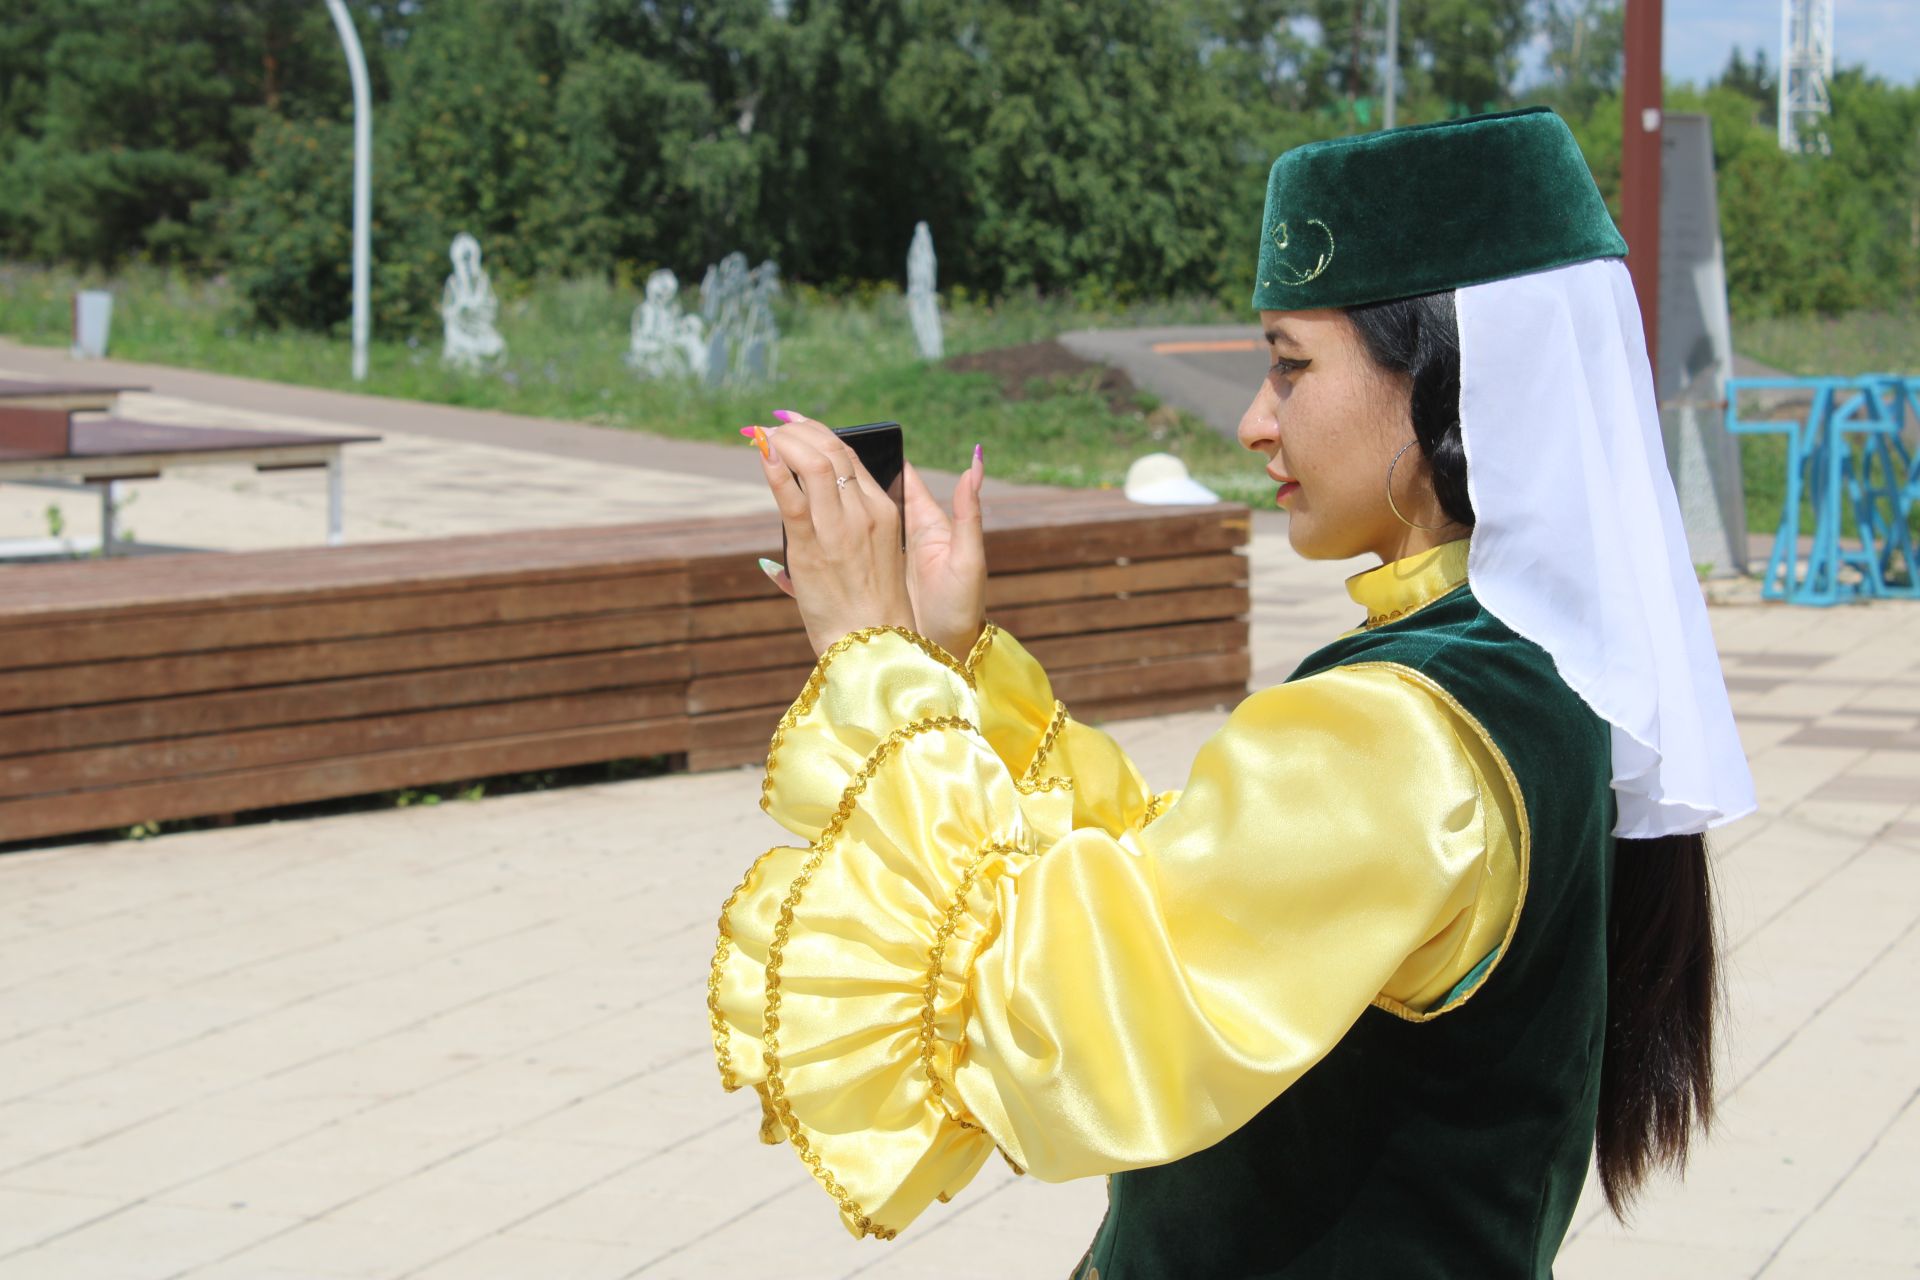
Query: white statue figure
666,342
760,336
742,339
468,310
923,304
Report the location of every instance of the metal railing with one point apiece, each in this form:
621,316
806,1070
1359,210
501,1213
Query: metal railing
1848,459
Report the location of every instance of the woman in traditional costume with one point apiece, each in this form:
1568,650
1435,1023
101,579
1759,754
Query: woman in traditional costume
1429,921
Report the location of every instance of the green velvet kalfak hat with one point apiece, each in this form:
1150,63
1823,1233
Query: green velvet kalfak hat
1428,207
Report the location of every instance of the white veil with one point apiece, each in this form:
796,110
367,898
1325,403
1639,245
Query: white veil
1577,540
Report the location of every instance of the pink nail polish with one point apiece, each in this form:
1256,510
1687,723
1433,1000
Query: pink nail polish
784,414
977,456
747,432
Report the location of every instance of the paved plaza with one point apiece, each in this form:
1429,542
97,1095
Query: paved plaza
470,1041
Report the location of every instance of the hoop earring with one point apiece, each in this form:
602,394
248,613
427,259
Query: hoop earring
1425,528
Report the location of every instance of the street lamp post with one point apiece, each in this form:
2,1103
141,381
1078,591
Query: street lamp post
362,179
1393,56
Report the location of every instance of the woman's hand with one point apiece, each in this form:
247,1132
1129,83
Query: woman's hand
947,561
843,540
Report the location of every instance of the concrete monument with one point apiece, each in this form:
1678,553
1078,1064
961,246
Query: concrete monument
923,304
737,305
1696,351
665,341
468,310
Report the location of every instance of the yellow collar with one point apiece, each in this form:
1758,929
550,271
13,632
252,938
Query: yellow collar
1395,589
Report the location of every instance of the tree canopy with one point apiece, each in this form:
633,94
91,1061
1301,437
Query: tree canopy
1112,146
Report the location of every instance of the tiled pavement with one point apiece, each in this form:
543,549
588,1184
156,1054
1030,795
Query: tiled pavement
469,1040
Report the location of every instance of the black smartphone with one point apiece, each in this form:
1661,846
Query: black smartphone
878,446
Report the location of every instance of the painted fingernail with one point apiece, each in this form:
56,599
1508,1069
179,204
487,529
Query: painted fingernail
771,568
748,432
977,456
785,414
760,438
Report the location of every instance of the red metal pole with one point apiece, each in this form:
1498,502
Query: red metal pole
1640,163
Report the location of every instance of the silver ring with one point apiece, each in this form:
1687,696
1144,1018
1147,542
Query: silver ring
840,482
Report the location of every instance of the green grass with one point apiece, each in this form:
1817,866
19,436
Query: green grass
849,359
842,359
1813,346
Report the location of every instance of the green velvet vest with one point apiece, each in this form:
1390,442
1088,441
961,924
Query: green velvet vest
1454,1148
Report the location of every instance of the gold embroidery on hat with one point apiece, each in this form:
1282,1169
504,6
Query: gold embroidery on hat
1282,239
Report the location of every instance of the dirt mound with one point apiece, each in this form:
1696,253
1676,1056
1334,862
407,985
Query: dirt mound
1018,368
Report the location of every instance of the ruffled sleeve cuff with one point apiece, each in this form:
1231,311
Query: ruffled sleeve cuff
839,979
1037,738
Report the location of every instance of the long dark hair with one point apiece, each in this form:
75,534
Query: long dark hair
1656,1075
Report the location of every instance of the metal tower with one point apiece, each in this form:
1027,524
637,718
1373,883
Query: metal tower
1806,64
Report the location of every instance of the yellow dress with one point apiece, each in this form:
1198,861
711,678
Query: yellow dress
997,936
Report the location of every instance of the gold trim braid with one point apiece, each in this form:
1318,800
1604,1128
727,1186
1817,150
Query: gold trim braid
723,1056
776,953
949,922
817,679
1395,1007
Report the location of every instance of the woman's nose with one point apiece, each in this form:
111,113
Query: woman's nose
1258,428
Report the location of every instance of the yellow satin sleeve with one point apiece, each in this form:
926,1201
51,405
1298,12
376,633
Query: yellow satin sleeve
997,937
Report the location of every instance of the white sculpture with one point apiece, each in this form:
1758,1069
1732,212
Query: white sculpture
737,304
923,304
468,310
665,341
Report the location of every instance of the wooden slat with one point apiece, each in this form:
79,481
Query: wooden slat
1098,648
750,617
116,767
38,816
728,654
147,719
299,621
1092,582
1122,682
725,618
1076,618
730,728
776,686
1107,540
94,682
30,430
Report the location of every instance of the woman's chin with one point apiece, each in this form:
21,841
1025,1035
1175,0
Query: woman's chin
1311,540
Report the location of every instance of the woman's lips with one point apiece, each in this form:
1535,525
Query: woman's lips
1286,491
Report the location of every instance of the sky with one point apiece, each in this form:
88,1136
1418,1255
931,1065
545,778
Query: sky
1884,35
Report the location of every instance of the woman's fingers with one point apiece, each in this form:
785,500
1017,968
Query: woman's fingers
801,450
857,508
787,495
777,572
924,514
966,505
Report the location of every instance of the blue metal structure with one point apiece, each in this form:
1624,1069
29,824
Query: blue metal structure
1848,456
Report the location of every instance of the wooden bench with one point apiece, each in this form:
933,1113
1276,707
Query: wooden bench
43,442
193,685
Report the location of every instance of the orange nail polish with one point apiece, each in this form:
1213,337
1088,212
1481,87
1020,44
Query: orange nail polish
760,438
